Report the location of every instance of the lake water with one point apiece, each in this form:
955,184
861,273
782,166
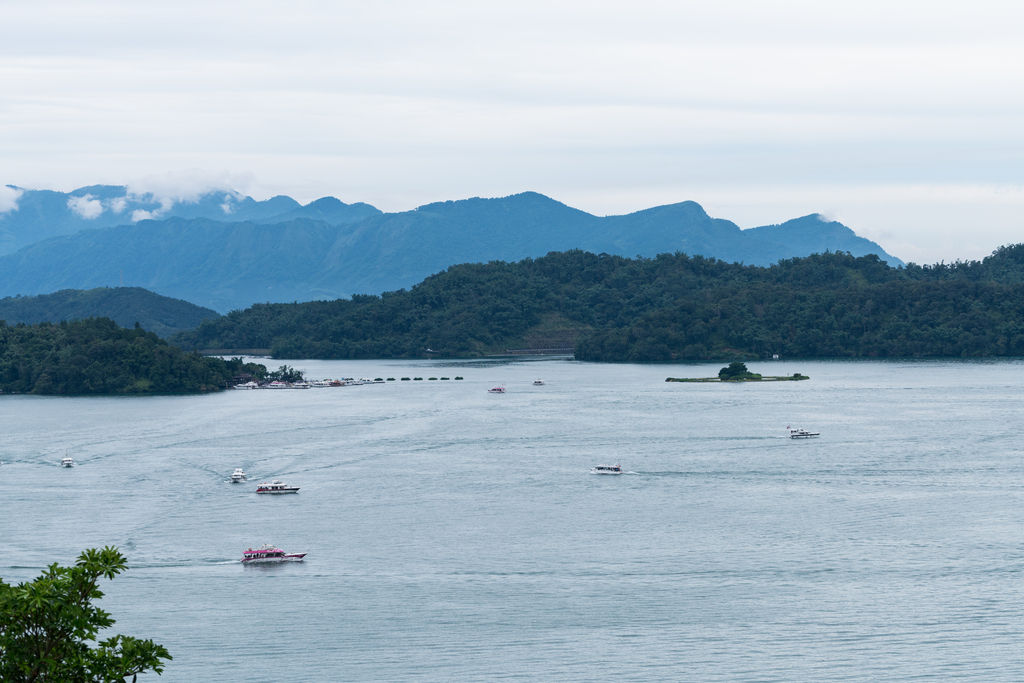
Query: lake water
456,535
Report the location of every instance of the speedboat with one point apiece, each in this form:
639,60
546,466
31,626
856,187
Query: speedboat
238,476
267,554
276,486
538,382
67,461
496,390
606,469
801,433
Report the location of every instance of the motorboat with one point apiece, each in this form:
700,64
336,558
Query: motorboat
538,382
496,390
801,433
322,383
299,385
247,385
606,469
276,385
276,486
67,461
267,554
238,476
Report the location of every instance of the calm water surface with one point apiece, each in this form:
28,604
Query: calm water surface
455,535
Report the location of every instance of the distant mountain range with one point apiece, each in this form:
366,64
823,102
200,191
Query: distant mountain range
124,305
226,251
45,213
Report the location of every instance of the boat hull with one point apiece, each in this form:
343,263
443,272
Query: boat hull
292,557
294,489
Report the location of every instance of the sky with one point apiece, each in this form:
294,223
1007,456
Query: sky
900,119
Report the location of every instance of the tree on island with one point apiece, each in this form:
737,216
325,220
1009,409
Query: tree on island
46,626
285,374
737,370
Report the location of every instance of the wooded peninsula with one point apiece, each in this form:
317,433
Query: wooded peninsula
95,356
671,307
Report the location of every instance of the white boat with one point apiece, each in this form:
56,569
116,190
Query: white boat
276,385
238,476
268,554
276,486
321,383
299,385
67,461
606,469
538,382
247,385
496,390
801,433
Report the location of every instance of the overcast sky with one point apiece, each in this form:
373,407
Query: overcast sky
903,120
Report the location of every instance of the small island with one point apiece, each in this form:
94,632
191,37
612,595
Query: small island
738,372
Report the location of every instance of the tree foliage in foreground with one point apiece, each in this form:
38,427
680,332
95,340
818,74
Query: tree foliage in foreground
672,307
95,356
47,626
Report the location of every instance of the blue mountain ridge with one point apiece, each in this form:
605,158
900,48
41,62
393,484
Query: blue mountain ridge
328,249
46,213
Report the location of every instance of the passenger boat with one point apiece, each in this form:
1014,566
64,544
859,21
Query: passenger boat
67,461
299,385
538,382
606,469
238,476
801,433
496,390
267,554
247,385
276,486
320,383
276,385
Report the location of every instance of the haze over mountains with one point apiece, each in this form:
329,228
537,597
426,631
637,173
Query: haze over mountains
227,251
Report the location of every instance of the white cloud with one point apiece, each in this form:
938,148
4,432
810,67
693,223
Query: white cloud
188,187
9,197
141,215
759,111
87,206
118,204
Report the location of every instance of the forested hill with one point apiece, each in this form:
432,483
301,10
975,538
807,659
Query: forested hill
669,307
95,356
124,305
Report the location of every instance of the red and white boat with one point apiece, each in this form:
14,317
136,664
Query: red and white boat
496,390
267,554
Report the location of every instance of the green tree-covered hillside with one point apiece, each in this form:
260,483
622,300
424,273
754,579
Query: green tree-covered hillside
672,307
95,356
124,305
